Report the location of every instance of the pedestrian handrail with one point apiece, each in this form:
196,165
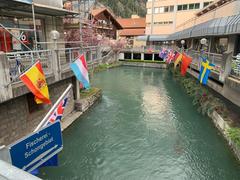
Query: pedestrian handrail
235,69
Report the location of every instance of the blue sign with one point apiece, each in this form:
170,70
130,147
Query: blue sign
32,151
24,1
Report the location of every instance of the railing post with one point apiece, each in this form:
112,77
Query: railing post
56,65
5,80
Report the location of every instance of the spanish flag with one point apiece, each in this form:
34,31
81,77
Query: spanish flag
34,79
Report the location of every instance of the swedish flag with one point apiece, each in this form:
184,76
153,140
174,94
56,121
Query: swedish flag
205,70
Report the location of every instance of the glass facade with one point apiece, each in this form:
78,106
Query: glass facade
22,29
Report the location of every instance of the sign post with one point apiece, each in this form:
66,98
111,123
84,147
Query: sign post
32,151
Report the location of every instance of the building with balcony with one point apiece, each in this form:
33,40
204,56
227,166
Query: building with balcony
26,37
105,22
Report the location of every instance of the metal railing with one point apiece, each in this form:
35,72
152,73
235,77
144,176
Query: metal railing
21,61
235,69
216,59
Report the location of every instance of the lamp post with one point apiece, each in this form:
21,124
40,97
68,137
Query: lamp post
203,42
172,42
182,43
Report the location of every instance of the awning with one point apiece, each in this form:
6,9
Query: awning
201,29
174,36
158,37
26,6
219,26
233,25
142,38
53,11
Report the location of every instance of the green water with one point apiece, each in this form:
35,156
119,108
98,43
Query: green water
145,128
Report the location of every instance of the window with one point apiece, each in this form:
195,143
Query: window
197,5
191,6
171,9
185,7
163,23
156,10
219,45
179,8
149,11
161,10
166,9
188,6
207,3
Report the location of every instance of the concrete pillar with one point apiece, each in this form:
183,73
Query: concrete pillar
142,56
131,55
77,88
153,58
227,65
121,56
56,67
5,81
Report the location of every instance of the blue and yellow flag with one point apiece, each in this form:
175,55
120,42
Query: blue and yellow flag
205,70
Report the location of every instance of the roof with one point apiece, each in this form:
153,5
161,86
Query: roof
214,27
132,23
131,32
26,6
99,12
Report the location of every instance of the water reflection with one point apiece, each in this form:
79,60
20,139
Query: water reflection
144,128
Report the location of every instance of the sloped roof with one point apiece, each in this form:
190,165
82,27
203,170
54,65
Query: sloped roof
99,12
131,32
132,23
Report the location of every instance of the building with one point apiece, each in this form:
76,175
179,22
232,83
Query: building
132,28
26,26
215,31
26,37
105,22
163,17
94,21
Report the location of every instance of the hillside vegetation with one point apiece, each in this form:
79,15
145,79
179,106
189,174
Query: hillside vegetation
125,8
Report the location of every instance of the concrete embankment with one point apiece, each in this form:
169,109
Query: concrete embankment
145,64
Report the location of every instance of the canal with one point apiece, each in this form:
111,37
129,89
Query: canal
145,128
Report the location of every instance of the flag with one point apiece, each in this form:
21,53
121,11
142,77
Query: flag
170,56
186,61
79,67
58,112
34,79
163,53
178,59
205,70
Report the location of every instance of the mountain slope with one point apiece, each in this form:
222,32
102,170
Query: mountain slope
125,8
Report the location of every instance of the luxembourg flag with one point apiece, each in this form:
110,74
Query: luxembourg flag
79,67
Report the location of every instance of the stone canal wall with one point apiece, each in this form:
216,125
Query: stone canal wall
144,64
21,115
223,126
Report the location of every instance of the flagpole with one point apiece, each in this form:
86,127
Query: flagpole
46,118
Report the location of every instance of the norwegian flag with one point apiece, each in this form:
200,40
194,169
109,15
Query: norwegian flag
58,112
170,57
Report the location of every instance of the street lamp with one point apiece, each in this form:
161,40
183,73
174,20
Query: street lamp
182,43
203,42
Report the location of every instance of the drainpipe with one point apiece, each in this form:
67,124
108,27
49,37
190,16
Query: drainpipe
152,17
34,26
